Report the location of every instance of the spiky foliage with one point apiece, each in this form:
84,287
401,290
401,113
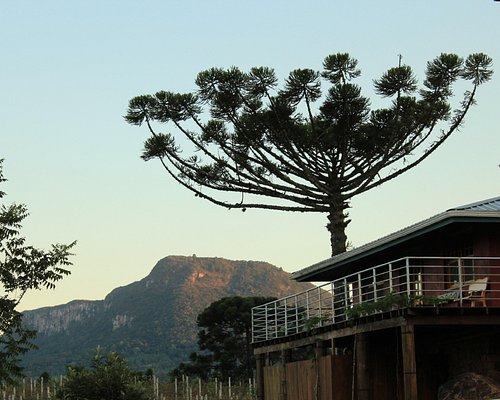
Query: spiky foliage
279,149
224,340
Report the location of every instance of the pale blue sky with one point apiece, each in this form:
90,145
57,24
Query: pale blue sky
70,67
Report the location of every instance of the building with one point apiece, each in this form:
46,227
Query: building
393,319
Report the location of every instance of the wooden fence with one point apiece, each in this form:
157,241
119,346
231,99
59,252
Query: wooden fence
179,389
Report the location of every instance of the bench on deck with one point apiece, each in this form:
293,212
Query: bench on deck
473,291
476,292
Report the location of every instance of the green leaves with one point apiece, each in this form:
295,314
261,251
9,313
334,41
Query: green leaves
345,105
22,268
176,107
139,109
298,147
395,81
302,84
15,341
163,107
108,378
223,90
210,173
214,131
158,146
441,73
262,80
224,339
478,68
340,68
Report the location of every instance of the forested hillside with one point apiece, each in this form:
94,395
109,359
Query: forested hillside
152,322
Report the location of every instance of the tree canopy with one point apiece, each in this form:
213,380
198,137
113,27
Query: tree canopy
300,147
109,377
224,340
22,268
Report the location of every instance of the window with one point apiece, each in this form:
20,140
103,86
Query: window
461,267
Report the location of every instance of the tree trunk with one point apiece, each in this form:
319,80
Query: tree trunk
337,222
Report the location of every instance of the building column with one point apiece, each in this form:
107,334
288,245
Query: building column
409,362
362,363
259,376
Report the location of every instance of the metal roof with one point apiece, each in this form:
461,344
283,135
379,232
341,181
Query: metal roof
489,208
485,205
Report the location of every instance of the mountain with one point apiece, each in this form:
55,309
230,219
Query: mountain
152,322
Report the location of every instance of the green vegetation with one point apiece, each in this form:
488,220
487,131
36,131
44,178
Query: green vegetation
275,148
390,302
224,340
22,268
152,322
182,388
311,323
109,377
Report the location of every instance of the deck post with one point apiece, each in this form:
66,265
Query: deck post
286,317
346,298
267,321
259,376
275,319
332,290
362,371
390,278
360,290
296,301
409,362
408,278
460,281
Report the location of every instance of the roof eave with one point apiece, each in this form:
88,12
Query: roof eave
395,238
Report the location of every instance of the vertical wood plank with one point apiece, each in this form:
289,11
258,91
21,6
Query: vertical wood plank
325,378
342,366
409,362
273,377
301,379
259,376
362,362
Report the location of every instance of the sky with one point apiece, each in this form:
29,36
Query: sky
69,68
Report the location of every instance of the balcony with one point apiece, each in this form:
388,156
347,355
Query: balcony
409,282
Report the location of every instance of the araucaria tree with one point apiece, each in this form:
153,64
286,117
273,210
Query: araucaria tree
296,148
224,340
22,268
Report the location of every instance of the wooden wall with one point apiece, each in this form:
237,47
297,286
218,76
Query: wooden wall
301,380
274,378
330,377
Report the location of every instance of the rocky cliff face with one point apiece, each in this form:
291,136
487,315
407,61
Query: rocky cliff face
151,322
52,320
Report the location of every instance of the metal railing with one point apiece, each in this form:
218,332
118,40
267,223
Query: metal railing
405,282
